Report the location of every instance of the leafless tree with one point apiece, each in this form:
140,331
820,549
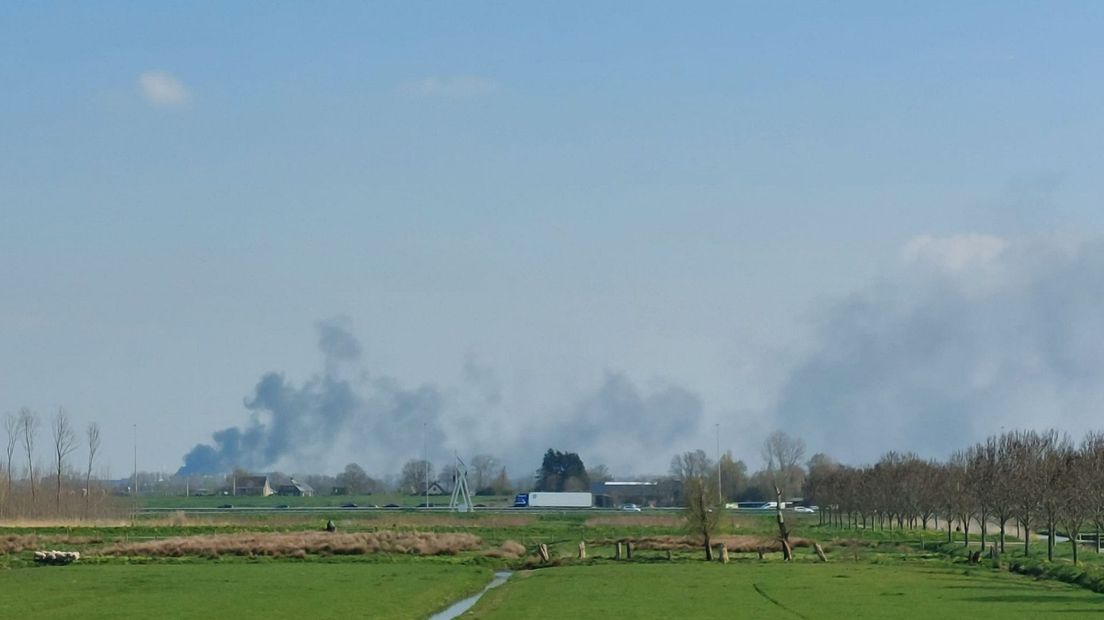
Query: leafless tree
1026,450
484,467
1092,449
1004,486
448,476
11,427
415,476
783,455
689,465
65,441
981,461
28,429
93,436
702,513
1074,507
1055,456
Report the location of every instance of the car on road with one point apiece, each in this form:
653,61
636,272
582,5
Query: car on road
348,505
630,508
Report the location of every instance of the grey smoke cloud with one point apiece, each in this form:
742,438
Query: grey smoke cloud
629,428
338,412
973,334
345,414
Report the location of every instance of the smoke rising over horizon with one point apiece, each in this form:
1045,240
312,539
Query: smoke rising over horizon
976,333
345,414
336,410
972,334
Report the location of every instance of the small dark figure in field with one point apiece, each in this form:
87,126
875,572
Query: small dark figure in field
330,527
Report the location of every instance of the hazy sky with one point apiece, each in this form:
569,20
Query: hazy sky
595,228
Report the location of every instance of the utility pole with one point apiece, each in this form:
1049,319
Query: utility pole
425,462
135,460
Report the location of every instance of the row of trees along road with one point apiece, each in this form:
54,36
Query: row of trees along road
1034,480
65,491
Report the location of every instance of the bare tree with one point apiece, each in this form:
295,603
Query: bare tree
1004,496
783,455
484,467
1093,450
93,435
1026,450
65,441
1056,455
981,481
11,427
688,465
28,428
415,475
1074,494
702,514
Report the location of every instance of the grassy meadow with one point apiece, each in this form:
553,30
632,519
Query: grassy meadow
775,590
237,590
407,564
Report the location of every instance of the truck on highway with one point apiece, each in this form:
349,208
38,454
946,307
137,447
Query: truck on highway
552,499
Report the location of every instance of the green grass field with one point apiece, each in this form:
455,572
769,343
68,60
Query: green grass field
266,565
237,590
775,590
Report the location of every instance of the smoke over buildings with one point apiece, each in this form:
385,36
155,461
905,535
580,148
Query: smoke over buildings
339,411
971,334
345,414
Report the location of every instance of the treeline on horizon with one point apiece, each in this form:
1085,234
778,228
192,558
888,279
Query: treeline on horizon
1038,480
1034,480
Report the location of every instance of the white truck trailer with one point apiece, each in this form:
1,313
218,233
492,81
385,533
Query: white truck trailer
551,499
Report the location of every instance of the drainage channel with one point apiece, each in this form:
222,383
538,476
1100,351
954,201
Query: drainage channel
461,606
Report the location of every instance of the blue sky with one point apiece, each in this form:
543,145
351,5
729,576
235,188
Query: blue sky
675,195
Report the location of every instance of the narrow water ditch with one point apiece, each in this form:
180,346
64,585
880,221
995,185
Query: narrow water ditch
459,607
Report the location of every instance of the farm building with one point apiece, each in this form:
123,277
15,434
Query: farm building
295,489
252,486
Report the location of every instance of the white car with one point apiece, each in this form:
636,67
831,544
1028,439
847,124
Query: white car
804,509
631,508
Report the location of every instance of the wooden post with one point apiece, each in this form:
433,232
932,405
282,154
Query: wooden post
542,550
724,553
668,555
760,552
628,550
582,549
618,556
820,552
787,551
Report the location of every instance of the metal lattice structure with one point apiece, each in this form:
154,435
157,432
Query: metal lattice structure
461,497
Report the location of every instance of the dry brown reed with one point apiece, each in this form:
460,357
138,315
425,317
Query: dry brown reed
298,544
18,543
509,550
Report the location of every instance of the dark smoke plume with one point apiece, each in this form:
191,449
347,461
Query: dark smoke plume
374,419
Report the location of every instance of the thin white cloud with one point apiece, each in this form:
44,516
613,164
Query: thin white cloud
954,253
449,87
163,89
